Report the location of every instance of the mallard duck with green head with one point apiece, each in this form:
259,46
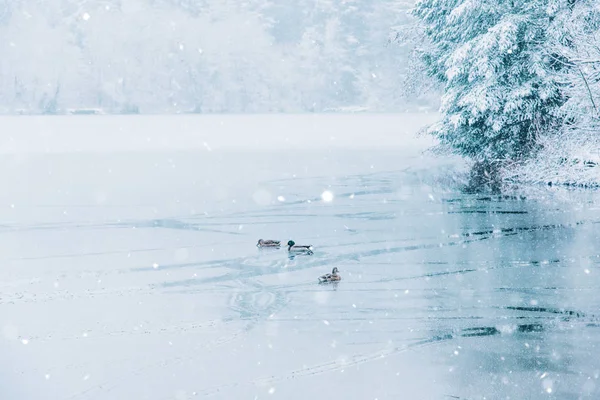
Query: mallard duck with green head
268,243
298,249
334,276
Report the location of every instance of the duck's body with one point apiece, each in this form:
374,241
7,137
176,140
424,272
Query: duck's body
268,243
294,248
334,276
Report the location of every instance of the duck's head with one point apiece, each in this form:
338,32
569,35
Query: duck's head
335,270
260,241
291,243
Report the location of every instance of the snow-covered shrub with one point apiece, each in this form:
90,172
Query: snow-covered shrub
569,158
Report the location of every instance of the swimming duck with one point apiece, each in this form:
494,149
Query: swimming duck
293,248
268,243
332,277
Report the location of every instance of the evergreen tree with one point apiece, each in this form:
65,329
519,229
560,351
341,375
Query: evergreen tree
499,90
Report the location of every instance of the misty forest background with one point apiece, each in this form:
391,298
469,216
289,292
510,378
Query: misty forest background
195,56
517,84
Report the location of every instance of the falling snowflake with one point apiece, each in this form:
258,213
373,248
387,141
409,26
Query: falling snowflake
327,196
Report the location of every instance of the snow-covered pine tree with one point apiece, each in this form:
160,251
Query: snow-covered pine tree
499,94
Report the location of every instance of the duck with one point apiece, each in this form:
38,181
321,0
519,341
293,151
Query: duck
268,243
293,248
334,276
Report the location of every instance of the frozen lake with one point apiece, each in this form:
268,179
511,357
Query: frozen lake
129,268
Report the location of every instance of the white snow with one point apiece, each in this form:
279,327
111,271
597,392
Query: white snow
327,196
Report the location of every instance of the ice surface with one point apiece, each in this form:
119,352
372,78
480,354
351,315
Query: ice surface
132,273
26,135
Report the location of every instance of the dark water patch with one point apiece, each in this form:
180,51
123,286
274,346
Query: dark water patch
453,200
478,233
480,331
536,262
499,199
571,313
528,328
492,330
487,212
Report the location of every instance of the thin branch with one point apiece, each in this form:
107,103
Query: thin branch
588,90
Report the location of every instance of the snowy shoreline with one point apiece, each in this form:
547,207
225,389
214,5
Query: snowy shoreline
570,159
